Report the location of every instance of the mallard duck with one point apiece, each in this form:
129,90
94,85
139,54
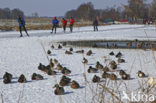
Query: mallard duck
36,76
59,90
41,67
89,53
122,72
75,85
7,78
105,75
51,64
125,76
59,46
84,61
59,67
92,70
121,60
99,66
55,61
111,53
70,49
96,79
22,79
64,81
65,71
68,52
119,55
141,74
112,62
106,69
7,75
80,51
48,52
113,76
113,66
51,72
52,46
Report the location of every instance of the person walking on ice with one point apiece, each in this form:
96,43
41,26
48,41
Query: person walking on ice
55,23
64,24
22,23
95,24
71,20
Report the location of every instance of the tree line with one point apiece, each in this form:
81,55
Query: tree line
135,9
6,13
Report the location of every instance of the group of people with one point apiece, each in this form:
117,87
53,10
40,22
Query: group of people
55,24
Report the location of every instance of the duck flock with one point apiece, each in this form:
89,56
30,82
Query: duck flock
54,67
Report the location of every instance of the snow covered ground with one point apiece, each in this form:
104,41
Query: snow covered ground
23,55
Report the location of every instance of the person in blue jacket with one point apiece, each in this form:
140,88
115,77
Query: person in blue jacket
21,23
55,23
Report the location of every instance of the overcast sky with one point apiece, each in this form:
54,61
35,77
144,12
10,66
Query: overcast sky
55,7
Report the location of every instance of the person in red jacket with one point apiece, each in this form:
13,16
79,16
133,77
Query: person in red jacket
71,20
64,23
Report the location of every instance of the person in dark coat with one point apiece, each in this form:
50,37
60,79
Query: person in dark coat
64,24
22,23
95,24
71,20
55,23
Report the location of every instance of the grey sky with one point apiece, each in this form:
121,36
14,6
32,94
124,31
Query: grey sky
55,7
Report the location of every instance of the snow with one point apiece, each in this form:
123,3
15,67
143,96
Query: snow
23,55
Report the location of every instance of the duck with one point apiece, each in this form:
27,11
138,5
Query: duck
106,69
65,71
80,51
96,79
7,78
75,85
64,81
121,60
36,76
141,74
51,63
59,46
71,49
113,76
55,61
84,61
59,90
112,62
99,66
122,72
51,72
22,79
105,75
59,67
9,75
92,70
89,53
41,67
125,76
52,46
113,65
68,52
111,53
119,54
48,52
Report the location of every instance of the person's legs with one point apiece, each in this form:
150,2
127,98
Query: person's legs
97,28
94,27
71,28
64,28
52,28
25,30
55,29
20,29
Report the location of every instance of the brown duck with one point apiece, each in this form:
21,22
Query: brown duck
89,53
113,76
75,85
59,90
96,79
92,70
